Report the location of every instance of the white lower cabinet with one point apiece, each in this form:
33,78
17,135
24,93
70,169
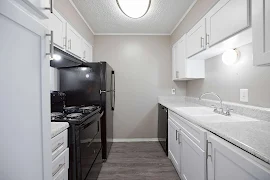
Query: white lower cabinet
198,154
174,145
60,156
193,160
226,161
60,164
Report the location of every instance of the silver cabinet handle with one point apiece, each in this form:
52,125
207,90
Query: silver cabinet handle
69,44
56,147
51,45
202,42
176,135
58,169
51,6
208,154
207,39
179,135
177,74
64,42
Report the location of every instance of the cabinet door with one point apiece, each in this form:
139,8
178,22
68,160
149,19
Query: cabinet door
58,26
193,160
226,19
87,52
25,98
73,41
196,38
229,162
261,31
180,58
38,8
174,145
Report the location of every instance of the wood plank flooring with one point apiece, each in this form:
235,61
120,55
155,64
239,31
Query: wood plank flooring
137,161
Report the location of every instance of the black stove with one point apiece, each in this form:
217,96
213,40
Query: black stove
75,114
84,136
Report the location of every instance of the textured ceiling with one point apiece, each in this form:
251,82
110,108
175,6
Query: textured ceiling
104,16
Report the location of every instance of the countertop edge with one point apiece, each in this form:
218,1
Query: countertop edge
57,128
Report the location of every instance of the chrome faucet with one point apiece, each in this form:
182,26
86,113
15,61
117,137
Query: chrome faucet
220,110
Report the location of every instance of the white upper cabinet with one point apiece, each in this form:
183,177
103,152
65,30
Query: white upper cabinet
38,8
73,41
226,19
87,51
261,32
196,38
226,161
183,68
174,144
58,25
225,26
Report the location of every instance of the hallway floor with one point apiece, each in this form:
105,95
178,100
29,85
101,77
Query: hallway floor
138,161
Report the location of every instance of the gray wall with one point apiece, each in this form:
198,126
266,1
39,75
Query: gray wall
228,80
143,72
65,8
197,12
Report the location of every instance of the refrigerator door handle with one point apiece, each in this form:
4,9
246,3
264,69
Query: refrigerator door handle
113,91
100,91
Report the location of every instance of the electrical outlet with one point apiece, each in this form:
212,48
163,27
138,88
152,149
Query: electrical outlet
244,95
173,91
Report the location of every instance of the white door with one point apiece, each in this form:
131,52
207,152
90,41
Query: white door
174,65
193,160
261,31
226,19
196,38
58,26
174,145
73,41
229,162
87,52
25,96
181,58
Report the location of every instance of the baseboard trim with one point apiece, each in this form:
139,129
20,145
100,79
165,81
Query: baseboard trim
136,140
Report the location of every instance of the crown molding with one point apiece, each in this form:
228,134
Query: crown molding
72,3
183,17
132,34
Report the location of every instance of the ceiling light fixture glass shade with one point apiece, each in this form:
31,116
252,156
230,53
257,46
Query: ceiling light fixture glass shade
134,8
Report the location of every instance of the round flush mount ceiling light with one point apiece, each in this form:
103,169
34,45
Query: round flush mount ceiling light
230,57
134,8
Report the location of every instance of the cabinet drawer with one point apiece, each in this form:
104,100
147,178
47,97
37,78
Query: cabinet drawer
61,163
195,133
59,144
63,175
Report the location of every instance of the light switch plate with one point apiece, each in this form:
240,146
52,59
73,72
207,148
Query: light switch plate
244,95
173,91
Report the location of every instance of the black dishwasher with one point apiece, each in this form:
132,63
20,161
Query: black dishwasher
163,127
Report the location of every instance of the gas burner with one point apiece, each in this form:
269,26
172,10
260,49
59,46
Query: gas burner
71,109
56,115
74,115
87,109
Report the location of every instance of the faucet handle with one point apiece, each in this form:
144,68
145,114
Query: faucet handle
228,112
215,108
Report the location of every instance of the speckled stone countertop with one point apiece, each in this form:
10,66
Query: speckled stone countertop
58,127
249,134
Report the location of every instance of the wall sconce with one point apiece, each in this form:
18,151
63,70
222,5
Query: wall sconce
231,57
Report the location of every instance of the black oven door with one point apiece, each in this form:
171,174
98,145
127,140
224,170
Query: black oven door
90,145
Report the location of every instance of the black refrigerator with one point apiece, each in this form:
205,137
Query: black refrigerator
92,84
